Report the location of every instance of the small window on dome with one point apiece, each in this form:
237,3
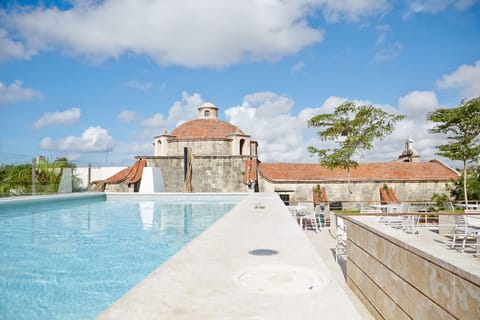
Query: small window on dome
207,113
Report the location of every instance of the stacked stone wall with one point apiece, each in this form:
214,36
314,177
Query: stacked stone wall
360,192
209,173
200,148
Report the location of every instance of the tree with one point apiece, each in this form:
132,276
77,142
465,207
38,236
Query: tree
473,184
462,127
354,129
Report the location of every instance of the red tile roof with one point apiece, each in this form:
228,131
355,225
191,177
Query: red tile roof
388,196
407,171
205,129
131,174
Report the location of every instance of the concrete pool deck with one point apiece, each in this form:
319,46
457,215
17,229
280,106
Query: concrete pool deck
216,276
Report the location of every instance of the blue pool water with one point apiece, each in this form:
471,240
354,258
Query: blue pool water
72,259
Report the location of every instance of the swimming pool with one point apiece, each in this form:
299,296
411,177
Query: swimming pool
72,258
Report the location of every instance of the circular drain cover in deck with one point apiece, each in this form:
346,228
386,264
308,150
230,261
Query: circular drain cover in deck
263,252
280,279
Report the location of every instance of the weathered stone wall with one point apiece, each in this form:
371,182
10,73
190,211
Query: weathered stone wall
201,148
398,280
209,173
120,187
360,191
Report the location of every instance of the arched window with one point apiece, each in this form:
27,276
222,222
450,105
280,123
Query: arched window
242,142
207,113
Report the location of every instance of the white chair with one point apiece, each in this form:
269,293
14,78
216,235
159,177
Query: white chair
463,230
340,238
303,211
322,213
370,211
310,220
448,206
396,221
410,223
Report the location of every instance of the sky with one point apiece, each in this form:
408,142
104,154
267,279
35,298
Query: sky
95,81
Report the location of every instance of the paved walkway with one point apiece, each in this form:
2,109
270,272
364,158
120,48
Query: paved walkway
324,244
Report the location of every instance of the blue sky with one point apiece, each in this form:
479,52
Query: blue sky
95,80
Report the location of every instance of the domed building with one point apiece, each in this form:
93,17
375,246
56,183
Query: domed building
221,154
206,136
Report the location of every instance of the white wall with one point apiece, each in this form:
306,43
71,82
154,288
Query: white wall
97,173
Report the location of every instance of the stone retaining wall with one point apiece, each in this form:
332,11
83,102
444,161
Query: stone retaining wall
397,281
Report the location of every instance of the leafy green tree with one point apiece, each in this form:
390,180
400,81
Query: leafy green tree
15,177
354,129
473,185
462,127
18,178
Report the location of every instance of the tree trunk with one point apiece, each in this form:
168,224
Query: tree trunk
465,183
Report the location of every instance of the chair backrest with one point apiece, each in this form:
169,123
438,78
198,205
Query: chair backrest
393,208
460,221
448,206
320,209
370,211
404,207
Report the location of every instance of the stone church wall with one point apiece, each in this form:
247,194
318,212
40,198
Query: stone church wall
209,174
361,192
200,148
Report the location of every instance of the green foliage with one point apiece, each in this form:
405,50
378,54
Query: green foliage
17,179
439,199
473,185
462,127
353,128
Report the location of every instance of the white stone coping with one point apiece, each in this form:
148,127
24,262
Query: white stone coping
215,276
24,200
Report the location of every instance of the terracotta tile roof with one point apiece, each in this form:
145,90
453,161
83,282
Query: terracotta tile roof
131,174
205,129
319,197
433,170
388,196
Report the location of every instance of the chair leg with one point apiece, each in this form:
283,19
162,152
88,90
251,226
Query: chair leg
464,240
454,238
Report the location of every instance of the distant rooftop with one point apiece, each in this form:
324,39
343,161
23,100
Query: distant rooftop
405,171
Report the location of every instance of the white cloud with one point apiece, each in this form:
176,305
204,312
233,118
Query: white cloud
142,86
183,32
60,117
10,49
298,66
15,92
267,117
418,103
435,6
285,137
353,10
142,148
415,106
93,139
180,111
466,78
127,116
389,52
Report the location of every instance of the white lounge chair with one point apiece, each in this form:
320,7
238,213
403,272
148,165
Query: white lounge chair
464,230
